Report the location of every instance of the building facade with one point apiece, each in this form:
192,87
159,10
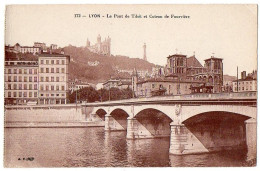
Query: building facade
182,75
21,82
246,83
44,81
120,83
26,49
53,78
101,47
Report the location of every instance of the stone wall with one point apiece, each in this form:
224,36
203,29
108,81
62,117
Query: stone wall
44,114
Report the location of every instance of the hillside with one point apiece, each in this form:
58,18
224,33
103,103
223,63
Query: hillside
227,78
95,68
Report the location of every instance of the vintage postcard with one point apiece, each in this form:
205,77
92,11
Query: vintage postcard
130,86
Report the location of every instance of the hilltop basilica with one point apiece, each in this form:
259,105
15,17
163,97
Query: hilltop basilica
102,48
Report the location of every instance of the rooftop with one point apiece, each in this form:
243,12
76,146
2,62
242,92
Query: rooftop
193,62
212,57
179,55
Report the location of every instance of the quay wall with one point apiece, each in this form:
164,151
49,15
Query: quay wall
60,113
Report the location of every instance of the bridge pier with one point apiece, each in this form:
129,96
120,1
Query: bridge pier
131,128
251,138
182,141
111,124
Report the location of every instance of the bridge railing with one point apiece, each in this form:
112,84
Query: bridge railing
199,96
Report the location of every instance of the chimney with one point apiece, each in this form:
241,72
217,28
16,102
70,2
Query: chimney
243,75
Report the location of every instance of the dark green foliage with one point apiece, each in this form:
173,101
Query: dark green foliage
89,94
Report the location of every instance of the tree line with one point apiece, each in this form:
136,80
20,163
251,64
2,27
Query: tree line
89,94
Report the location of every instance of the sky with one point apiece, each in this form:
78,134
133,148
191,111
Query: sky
225,31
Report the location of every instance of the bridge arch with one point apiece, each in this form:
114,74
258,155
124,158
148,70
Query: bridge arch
247,111
167,110
152,123
101,113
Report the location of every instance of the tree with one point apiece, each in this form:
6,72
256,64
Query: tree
89,94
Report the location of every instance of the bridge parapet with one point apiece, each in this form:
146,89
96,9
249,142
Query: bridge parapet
251,95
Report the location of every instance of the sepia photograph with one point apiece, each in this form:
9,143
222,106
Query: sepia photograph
130,85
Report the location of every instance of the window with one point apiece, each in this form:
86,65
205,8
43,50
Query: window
153,85
52,87
20,78
9,94
9,86
35,71
63,62
9,78
20,86
57,87
57,62
52,61
57,70
47,70
47,79
15,86
20,71
30,71
15,78
52,70
20,94
42,70
42,79
25,79
57,79
35,94
41,61
47,87
15,71
30,94
25,86
62,70
35,86
35,79
14,94
30,86
24,94
52,79
47,61
30,79
25,71
62,88
41,88
9,71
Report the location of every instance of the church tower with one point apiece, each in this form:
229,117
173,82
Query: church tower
144,58
134,82
88,43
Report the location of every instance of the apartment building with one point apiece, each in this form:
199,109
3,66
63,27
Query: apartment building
53,78
21,82
43,81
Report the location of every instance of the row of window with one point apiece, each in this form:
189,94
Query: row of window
52,95
244,88
22,71
22,94
52,70
57,61
22,79
52,87
51,79
22,87
247,82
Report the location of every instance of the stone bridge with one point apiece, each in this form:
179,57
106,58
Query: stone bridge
195,123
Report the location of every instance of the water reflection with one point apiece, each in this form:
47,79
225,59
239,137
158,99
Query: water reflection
93,147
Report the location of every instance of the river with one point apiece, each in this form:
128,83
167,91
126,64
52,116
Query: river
93,147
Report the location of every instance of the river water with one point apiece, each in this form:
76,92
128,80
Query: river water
93,147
